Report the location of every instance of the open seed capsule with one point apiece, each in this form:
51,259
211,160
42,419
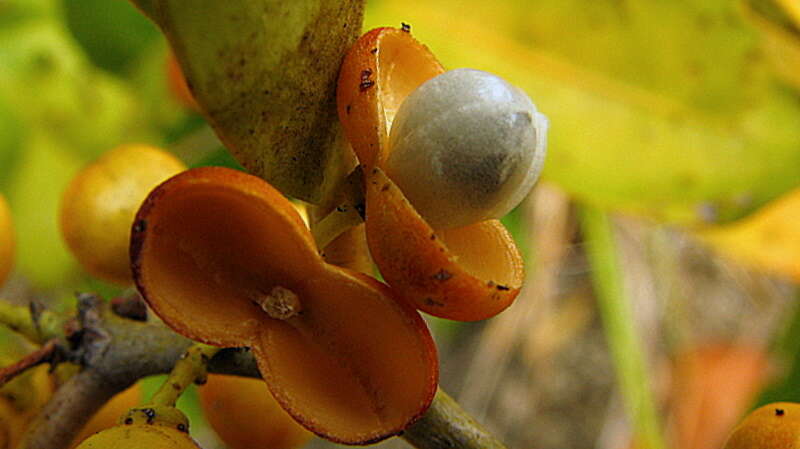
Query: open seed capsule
465,273
224,258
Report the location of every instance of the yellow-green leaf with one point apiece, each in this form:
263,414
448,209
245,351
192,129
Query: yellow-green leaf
264,73
780,29
662,108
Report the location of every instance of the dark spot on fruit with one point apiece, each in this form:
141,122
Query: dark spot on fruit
385,187
431,302
341,208
347,109
182,428
442,275
150,414
128,421
433,236
779,412
176,386
364,85
503,287
140,226
373,51
366,82
405,27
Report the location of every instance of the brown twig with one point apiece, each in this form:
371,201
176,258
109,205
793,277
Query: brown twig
45,354
116,352
130,306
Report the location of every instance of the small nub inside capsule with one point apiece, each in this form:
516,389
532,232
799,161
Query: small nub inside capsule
280,303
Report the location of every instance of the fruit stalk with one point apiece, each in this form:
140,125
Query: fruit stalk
191,368
447,425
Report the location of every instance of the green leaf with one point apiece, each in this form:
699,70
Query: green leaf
12,135
113,33
661,108
265,72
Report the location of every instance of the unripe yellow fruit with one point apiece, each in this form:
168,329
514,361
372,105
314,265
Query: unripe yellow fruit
146,427
20,401
7,243
99,205
139,436
773,426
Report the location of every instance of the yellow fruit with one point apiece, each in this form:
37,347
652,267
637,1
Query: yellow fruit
109,414
140,436
146,427
98,207
244,414
773,426
7,243
20,401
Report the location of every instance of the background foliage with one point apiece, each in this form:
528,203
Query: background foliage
678,115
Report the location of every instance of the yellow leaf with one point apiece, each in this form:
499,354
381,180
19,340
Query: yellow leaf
768,240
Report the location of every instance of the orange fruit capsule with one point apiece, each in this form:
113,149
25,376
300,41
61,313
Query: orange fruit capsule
6,241
178,87
223,258
98,206
109,414
467,273
773,426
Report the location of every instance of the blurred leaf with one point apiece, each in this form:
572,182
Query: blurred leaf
768,240
266,80
12,134
53,87
780,36
149,80
787,347
662,108
113,32
34,195
219,158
